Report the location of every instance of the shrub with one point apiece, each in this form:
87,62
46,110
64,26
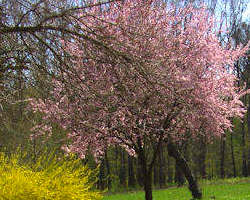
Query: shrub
49,178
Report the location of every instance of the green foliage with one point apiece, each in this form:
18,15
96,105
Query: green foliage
49,178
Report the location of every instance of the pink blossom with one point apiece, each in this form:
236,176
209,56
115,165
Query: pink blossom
135,78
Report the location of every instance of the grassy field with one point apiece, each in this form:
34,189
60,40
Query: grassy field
231,189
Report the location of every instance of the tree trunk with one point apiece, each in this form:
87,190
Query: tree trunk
116,159
244,157
147,179
156,175
162,168
147,174
202,159
122,174
199,156
139,175
243,143
101,184
34,150
170,170
193,186
179,176
232,155
20,98
248,125
148,185
108,170
222,159
131,174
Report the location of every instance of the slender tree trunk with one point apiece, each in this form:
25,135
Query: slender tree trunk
131,174
34,150
193,186
244,157
101,184
147,167
147,176
232,154
148,185
245,169
170,170
156,175
108,170
248,125
139,175
199,157
222,159
122,174
20,77
202,158
162,170
244,164
116,159
179,176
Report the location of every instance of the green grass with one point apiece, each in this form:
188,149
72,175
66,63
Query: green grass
231,189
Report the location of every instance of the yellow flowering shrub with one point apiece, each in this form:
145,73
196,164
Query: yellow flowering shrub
46,179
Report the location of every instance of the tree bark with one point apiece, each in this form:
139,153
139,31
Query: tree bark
21,87
131,174
148,185
101,184
202,158
116,159
122,174
139,175
232,154
199,156
162,168
222,159
147,177
108,170
156,175
170,170
248,125
244,157
146,171
182,163
179,176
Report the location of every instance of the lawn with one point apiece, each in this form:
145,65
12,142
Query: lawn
221,190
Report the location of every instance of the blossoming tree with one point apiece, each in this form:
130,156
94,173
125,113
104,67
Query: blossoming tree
141,76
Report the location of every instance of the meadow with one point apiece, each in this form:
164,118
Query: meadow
228,189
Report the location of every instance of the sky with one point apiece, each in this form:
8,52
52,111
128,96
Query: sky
246,14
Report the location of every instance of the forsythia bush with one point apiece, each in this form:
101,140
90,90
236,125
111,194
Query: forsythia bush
48,179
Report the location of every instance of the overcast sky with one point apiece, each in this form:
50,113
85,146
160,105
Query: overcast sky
246,14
